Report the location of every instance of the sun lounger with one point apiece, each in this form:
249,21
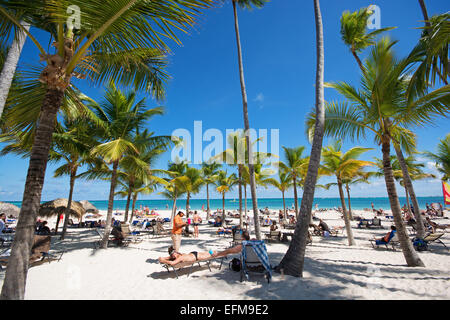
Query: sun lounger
190,265
159,231
111,239
392,242
273,236
432,237
131,235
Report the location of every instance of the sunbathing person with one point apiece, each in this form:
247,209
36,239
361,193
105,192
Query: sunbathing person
233,250
387,237
435,226
323,226
177,257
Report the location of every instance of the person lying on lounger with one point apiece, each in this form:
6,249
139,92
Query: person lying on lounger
435,226
177,257
233,250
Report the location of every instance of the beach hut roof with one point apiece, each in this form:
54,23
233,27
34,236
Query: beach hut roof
9,209
89,207
59,206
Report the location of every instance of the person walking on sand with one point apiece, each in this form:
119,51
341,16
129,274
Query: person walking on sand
177,229
196,221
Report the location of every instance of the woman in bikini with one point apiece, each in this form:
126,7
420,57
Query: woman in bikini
196,221
177,257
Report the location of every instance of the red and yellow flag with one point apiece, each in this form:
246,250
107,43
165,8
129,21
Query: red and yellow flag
446,190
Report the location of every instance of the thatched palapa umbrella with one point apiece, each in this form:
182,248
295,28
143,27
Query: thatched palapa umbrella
89,207
58,206
9,209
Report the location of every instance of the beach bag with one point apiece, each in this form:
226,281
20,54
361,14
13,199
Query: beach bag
420,244
235,264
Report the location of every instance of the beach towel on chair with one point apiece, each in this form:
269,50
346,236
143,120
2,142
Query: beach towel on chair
261,251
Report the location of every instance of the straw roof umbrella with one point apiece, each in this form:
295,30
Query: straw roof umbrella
9,209
58,206
89,207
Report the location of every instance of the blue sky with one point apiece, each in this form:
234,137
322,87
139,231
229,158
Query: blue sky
278,45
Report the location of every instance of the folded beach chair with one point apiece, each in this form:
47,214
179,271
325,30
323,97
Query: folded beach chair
392,241
159,231
254,259
432,237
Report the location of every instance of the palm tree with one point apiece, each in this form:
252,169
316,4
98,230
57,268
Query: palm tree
209,174
293,262
190,182
173,191
120,116
342,165
121,41
137,168
358,177
294,166
249,152
382,108
10,64
354,32
236,155
224,184
442,157
283,183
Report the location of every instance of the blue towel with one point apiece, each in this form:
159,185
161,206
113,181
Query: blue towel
261,251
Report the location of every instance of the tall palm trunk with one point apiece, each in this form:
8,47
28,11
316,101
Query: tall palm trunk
127,206
293,261
112,189
295,197
412,259
187,210
241,221
10,65
409,186
174,208
358,60
424,12
245,203
16,272
223,207
247,127
284,205
348,226
69,205
350,214
208,210
133,207
408,206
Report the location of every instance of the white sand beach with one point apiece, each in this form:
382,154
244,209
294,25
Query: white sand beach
333,270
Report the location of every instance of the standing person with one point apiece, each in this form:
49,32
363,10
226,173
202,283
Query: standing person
196,221
177,229
2,222
373,208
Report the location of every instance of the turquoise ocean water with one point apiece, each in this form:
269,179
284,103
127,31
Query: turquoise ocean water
272,203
